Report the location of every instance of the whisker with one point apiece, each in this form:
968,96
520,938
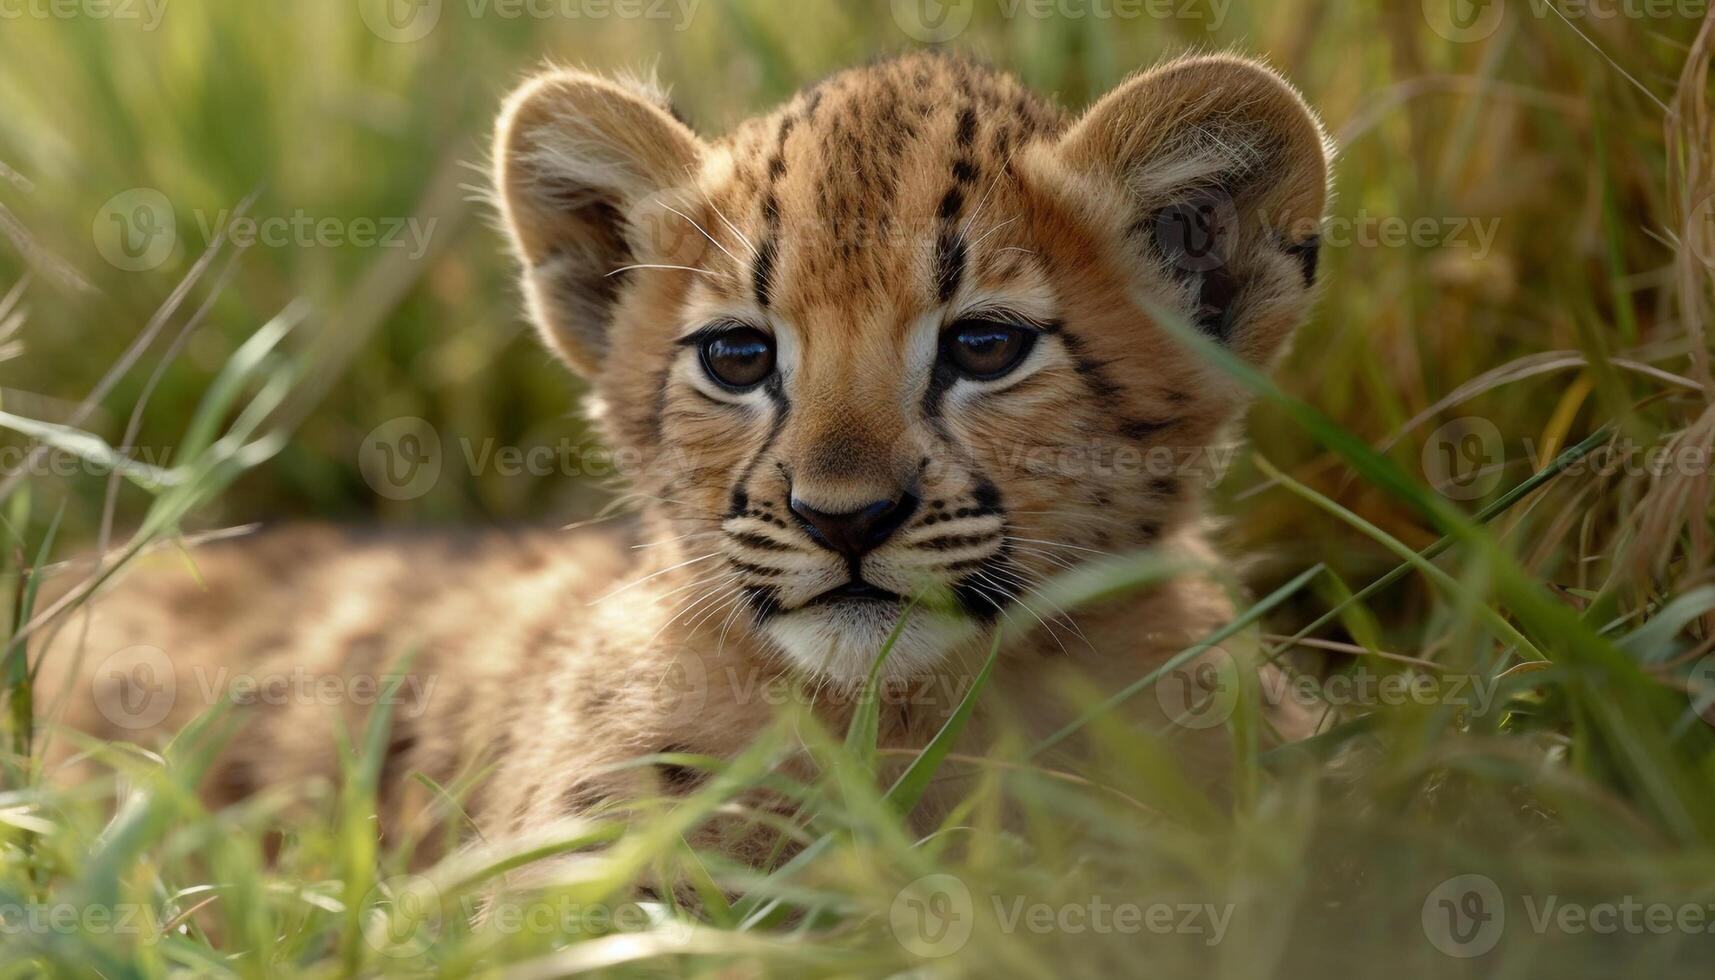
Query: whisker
1059,544
591,522
991,232
675,268
1047,556
1058,615
654,575
1005,168
732,617
705,580
705,234
1073,515
731,227
714,608
693,603
680,537
1011,597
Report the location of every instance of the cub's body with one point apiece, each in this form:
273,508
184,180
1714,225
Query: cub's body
516,652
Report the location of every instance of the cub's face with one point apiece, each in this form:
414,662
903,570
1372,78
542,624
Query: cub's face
905,338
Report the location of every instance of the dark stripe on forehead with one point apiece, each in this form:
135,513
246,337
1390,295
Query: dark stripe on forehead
767,254
951,253
950,257
762,276
952,203
786,126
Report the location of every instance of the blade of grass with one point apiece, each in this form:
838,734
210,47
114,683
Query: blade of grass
1452,587
865,725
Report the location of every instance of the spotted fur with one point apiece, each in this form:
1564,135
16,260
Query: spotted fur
852,225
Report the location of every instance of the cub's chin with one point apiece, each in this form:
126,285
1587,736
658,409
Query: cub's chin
839,640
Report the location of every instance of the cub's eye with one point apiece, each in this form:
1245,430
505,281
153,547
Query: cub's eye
986,349
740,358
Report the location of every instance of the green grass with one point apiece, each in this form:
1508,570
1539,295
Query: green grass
1559,614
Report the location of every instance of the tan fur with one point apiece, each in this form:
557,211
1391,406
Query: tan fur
852,224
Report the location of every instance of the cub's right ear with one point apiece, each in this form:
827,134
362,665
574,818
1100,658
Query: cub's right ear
578,161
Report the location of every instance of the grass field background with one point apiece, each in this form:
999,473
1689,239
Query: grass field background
1517,265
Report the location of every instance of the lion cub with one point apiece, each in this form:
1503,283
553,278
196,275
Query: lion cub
901,337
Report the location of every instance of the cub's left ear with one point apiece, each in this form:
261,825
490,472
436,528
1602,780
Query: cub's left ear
1212,173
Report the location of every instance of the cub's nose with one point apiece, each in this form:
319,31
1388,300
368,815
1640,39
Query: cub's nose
855,533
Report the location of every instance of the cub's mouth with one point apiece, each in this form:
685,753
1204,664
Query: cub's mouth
856,590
